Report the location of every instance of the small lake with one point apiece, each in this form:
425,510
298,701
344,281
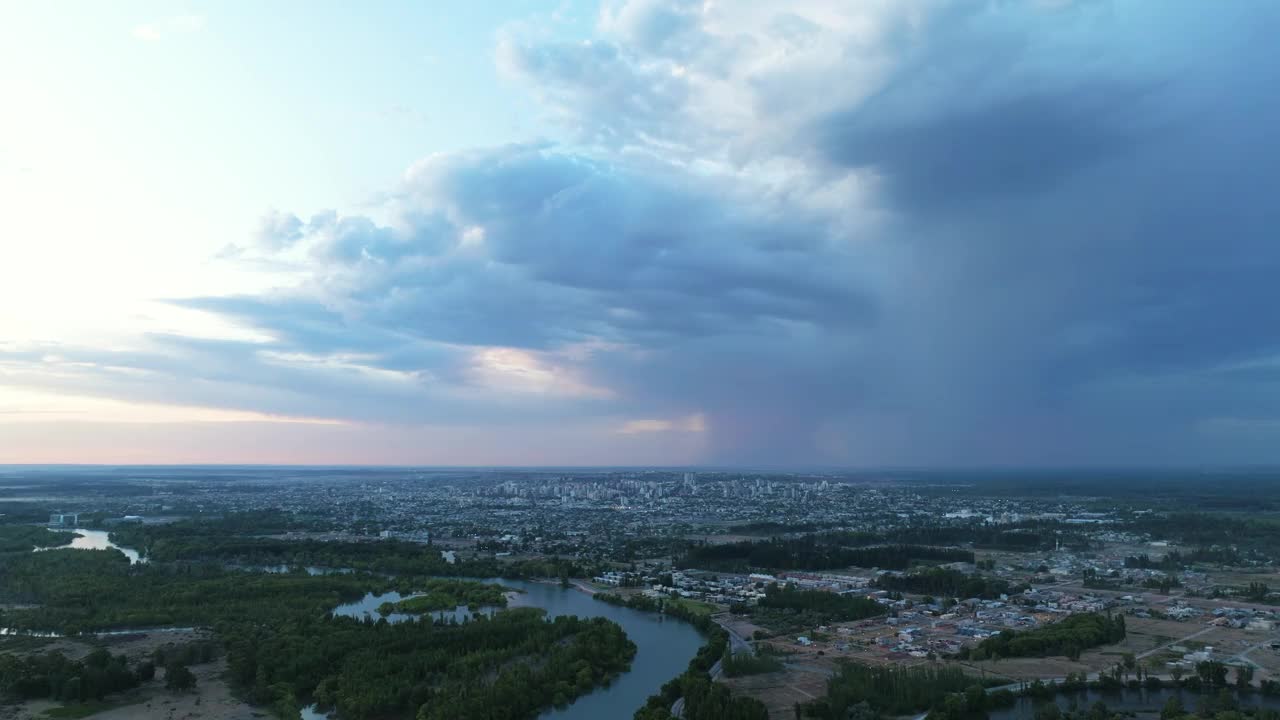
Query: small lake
664,645
97,540
1126,699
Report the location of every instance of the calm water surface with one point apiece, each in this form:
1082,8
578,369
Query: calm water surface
97,540
1135,700
664,646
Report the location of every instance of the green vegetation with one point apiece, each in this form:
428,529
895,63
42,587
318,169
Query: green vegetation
179,678
786,609
1222,538
813,552
890,690
745,663
837,607
509,666
53,676
443,594
1068,637
198,541
945,583
703,698
1175,560
283,646
22,538
693,607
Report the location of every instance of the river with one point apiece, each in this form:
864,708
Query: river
1133,700
97,540
664,645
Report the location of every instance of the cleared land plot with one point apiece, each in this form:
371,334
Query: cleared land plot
780,691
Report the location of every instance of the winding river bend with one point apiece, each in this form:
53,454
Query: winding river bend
1131,700
97,540
664,646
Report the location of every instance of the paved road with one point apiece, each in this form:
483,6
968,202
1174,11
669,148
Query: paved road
737,643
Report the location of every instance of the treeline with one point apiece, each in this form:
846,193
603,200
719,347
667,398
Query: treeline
206,541
510,666
53,676
945,583
738,664
973,703
786,609
886,690
1223,539
447,594
700,620
1023,536
1174,560
22,538
284,646
76,591
839,607
703,698
813,552
1069,637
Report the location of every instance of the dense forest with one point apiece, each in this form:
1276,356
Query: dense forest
283,646
840,607
888,690
509,666
53,676
944,582
1175,560
813,552
1025,535
1069,636
447,594
22,538
1221,538
785,609
209,541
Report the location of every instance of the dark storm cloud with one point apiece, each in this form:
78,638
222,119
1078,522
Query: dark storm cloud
960,156
886,233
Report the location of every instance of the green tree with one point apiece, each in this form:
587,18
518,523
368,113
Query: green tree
179,678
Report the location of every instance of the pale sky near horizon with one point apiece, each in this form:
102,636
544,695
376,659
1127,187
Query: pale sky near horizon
922,232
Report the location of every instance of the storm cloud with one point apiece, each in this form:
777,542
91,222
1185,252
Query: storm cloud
894,233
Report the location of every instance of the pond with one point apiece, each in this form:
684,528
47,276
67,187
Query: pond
664,645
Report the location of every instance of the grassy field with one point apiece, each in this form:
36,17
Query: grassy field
695,606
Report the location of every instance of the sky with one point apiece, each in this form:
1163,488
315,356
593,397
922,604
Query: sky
867,233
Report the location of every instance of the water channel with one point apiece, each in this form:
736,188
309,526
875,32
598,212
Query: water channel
96,540
1138,701
664,645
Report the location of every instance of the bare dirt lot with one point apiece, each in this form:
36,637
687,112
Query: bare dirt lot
804,679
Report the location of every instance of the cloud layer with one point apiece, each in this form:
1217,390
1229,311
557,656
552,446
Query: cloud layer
895,233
